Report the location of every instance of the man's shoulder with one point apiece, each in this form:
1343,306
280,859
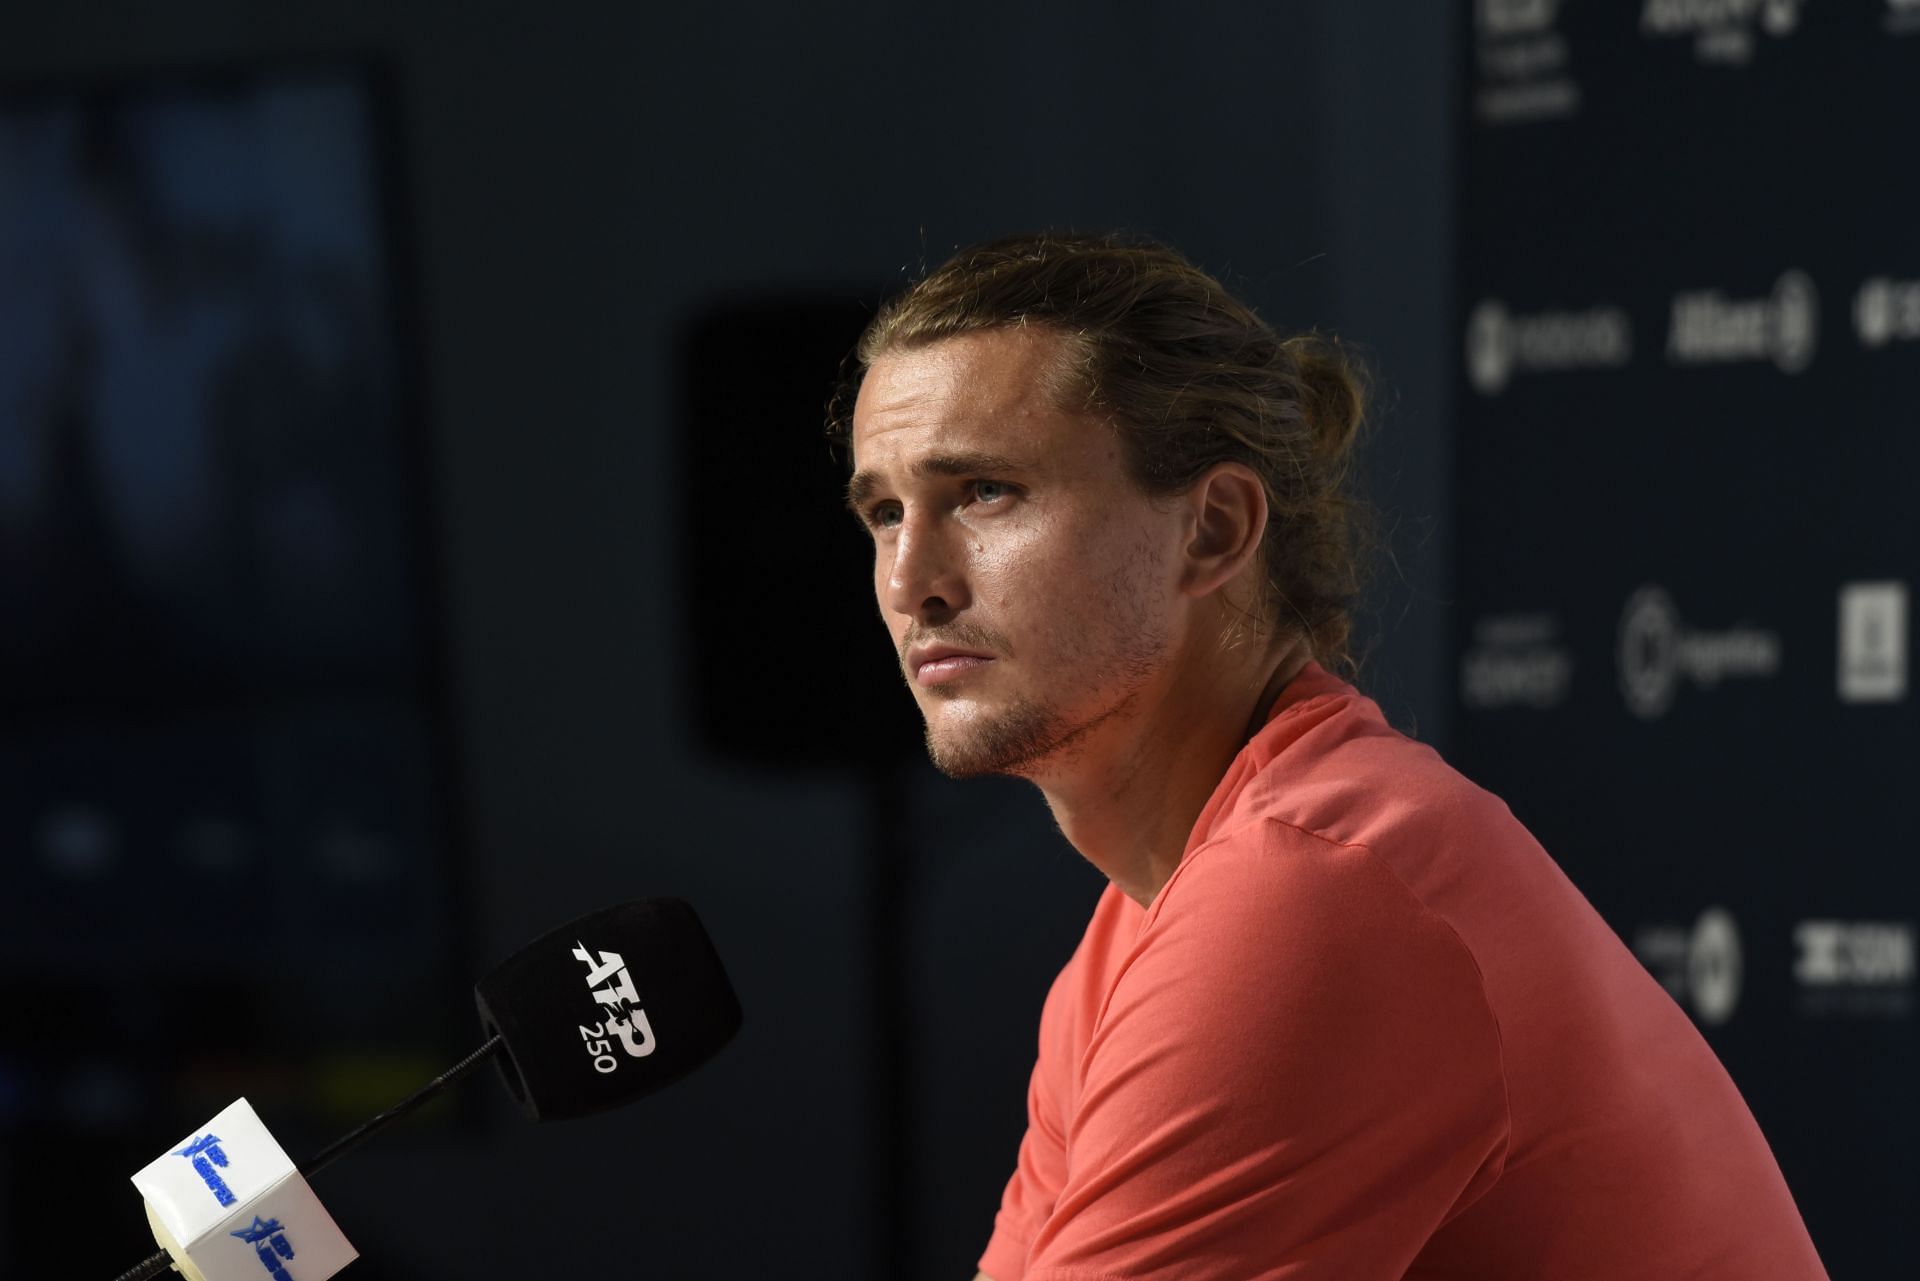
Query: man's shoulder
1343,775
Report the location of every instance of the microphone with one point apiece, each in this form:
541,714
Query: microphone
603,1010
608,1008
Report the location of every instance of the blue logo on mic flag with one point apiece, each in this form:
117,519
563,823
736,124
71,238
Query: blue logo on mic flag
268,1241
206,1154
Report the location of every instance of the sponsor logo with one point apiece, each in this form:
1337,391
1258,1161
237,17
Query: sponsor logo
1873,642
634,1031
1714,966
1707,328
1726,32
1862,969
1887,311
1700,967
270,1245
209,1158
1522,61
1515,17
1516,660
1657,651
1501,344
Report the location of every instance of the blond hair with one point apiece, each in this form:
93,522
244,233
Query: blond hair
1190,377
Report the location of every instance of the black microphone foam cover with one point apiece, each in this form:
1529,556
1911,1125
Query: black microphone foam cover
608,1008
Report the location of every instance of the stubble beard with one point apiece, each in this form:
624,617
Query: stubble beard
1028,733
1020,738
1011,742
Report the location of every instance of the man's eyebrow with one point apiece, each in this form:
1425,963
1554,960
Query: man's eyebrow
864,483
859,489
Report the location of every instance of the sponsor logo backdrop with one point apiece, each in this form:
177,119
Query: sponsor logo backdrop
1689,444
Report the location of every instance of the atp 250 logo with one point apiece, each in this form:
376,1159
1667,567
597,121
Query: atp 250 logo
626,1021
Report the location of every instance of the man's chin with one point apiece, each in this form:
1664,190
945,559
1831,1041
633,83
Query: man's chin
969,764
1014,743
962,766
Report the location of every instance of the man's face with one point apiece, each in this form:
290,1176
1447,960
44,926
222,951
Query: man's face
1024,577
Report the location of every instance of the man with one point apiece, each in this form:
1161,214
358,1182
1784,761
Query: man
1337,1015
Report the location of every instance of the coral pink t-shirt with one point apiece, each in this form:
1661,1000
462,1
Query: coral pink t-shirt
1368,1030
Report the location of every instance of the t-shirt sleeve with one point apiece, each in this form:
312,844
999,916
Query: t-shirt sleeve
1297,1074
1042,1166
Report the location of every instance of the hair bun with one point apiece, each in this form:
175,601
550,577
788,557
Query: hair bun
1333,395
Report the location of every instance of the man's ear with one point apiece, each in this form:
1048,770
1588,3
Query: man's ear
1228,506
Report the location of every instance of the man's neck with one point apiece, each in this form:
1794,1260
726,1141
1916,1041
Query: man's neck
1128,800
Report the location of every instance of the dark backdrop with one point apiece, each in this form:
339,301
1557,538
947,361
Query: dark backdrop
1689,328
584,182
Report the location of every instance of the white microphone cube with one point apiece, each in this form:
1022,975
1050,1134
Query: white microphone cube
229,1205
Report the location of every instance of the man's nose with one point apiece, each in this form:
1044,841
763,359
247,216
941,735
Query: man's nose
927,574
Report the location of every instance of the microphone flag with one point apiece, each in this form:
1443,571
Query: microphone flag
228,1204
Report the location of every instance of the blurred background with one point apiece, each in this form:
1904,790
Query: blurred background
410,460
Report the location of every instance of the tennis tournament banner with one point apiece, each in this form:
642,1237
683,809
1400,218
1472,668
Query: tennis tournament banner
1688,457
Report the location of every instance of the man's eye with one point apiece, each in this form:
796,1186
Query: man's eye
990,491
884,515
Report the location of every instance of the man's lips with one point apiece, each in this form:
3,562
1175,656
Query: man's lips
938,664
